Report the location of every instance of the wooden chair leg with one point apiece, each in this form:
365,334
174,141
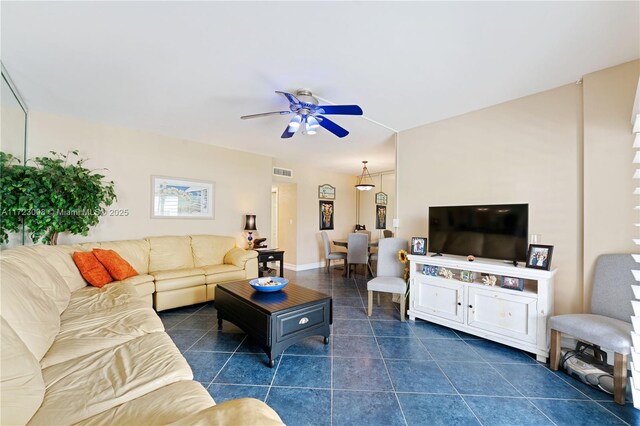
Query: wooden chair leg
370,309
328,265
370,270
402,307
619,378
378,298
554,362
348,269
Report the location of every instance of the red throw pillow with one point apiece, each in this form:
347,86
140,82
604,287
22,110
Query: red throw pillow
119,268
91,269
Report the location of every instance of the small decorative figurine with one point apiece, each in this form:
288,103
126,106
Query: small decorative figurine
446,273
471,258
489,280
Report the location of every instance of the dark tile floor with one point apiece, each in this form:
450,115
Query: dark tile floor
380,371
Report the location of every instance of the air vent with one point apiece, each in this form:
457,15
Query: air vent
278,171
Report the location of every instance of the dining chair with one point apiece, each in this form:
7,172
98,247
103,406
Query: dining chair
364,231
358,252
390,273
608,325
330,255
387,233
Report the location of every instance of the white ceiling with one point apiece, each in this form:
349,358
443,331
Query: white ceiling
191,69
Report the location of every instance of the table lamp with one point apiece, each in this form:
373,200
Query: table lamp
250,225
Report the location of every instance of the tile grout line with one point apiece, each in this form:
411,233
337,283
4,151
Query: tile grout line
226,362
384,362
273,378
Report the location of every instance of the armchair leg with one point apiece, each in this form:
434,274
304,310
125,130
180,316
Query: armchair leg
378,298
619,378
370,305
402,307
328,265
554,362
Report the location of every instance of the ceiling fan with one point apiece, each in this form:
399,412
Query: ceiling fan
309,115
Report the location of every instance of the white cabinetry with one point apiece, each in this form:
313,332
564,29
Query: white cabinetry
514,318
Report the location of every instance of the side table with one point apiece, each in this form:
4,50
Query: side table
271,255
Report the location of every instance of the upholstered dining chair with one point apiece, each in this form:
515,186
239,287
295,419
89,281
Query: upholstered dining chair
608,325
387,233
330,255
358,252
389,274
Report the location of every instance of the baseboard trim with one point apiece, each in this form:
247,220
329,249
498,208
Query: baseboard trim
303,267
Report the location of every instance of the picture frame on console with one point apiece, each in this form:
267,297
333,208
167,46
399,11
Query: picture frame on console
419,246
539,256
512,283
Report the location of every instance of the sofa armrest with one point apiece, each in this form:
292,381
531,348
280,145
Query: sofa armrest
243,411
239,257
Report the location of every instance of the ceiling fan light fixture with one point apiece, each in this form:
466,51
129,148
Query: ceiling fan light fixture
365,183
294,124
311,125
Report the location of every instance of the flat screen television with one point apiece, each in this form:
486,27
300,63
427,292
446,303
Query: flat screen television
496,231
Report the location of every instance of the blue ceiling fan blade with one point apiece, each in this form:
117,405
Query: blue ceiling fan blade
292,99
287,133
332,127
339,109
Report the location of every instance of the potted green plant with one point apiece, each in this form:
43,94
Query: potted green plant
56,194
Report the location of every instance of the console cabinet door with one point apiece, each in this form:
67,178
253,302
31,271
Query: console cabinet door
511,315
440,297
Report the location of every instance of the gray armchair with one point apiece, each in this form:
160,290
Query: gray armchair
608,325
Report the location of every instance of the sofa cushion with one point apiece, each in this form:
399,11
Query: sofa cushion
136,252
210,249
243,411
21,384
41,273
90,299
178,283
168,253
139,279
29,311
81,336
223,273
83,387
118,268
177,273
165,405
239,257
60,258
91,269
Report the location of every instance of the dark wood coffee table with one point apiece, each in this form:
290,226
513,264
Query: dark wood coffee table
275,320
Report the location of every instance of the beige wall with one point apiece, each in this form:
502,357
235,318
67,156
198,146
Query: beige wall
288,220
384,182
243,181
567,152
523,151
309,244
608,168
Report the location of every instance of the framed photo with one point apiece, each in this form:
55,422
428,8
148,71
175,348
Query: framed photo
466,276
381,217
181,198
512,283
430,270
419,245
539,256
381,198
326,215
326,192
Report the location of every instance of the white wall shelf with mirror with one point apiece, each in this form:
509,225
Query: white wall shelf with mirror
511,317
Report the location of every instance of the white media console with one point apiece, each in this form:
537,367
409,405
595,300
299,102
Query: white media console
514,318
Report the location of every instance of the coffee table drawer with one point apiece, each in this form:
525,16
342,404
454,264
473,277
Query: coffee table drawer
302,319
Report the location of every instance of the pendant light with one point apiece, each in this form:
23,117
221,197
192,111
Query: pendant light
363,183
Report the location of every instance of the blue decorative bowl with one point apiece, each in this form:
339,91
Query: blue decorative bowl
281,283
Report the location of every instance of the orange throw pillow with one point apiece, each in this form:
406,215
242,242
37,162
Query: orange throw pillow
91,269
119,268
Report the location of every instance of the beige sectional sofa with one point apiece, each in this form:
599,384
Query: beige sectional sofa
77,354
